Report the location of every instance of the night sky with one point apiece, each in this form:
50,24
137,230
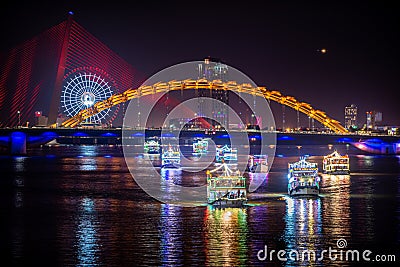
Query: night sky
275,43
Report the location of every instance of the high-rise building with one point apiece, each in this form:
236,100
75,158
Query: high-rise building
213,69
350,116
372,118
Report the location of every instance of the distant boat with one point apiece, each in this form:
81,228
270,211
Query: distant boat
200,147
303,178
171,158
226,187
226,154
258,163
335,163
152,147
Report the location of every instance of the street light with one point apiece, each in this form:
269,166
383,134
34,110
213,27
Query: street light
19,118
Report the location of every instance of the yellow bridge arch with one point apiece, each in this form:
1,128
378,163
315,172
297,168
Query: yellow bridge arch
162,87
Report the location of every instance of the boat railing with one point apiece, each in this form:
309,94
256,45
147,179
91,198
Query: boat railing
231,195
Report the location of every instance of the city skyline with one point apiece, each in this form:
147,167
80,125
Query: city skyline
279,47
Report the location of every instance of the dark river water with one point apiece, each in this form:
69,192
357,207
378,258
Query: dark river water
80,206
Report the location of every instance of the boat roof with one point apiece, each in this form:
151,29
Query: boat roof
201,141
225,172
303,164
151,142
335,154
225,148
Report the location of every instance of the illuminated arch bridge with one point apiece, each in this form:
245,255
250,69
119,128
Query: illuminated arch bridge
162,87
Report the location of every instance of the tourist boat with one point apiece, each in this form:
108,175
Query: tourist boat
226,187
303,178
200,147
225,154
152,147
335,163
171,158
258,163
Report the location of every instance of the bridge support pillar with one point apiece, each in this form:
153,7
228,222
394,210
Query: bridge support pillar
18,143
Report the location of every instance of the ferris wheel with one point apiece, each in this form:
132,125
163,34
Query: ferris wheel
83,88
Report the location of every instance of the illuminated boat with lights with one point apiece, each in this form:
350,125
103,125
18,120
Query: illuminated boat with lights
171,158
226,187
152,147
225,154
258,163
200,147
303,178
335,163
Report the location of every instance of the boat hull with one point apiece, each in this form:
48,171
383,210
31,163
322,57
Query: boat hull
337,172
229,203
152,153
304,191
258,169
171,166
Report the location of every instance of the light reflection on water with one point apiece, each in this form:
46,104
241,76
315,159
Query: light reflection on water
19,166
92,213
303,228
226,236
336,206
87,164
171,237
87,244
171,174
